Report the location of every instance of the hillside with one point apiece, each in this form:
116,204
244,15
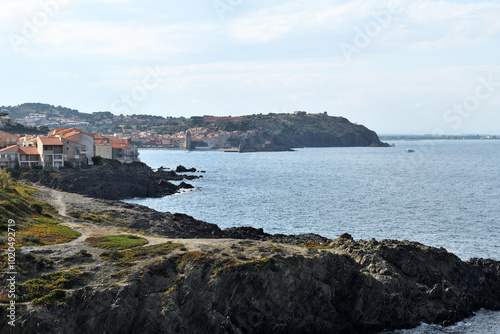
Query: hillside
315,130
254,132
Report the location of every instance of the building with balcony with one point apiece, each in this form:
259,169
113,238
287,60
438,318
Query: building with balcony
28,157
51,151
9,157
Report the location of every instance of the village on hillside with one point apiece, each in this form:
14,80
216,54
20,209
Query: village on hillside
144,131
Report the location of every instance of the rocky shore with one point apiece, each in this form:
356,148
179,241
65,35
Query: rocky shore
112,180
193,277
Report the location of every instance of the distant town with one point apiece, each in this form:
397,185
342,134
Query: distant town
144,131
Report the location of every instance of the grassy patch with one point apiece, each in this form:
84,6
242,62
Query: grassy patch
46,290
117,242
130,256
315,245
46,234
34,223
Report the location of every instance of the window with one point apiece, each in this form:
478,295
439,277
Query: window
58,157
3,156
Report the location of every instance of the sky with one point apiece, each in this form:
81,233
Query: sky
397,66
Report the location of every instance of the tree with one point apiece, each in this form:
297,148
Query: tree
4,114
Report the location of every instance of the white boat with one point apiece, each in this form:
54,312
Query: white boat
409,150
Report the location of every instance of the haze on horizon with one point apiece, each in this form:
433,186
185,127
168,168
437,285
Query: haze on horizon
397,66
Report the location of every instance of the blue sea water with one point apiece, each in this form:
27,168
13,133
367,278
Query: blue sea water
446,194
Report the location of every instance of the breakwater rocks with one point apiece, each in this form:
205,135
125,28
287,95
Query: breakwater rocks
111,180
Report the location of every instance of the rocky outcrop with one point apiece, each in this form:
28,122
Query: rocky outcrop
182,169
349,287
112,180
314,130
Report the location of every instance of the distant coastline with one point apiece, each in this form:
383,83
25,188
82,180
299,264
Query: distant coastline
443,137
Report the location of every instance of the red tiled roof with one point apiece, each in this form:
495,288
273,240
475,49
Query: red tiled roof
51,141
121,145
8,148
28,150
64,131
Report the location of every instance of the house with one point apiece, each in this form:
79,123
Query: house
7,139
75,153
28,157
104,150
51,151
78,136
116,148
8,157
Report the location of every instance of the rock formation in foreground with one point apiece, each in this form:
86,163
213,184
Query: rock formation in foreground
193,277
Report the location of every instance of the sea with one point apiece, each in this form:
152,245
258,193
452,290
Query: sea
444,194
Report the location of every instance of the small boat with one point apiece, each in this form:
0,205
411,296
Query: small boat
410,151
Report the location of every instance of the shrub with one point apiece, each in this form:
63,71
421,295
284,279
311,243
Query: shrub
69,164
5,179
113,255
84,253
75,214
31,239
37,207
97,160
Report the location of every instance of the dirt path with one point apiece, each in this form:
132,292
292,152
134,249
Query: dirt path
66,202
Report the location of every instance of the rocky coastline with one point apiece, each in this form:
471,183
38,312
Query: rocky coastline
241,280
112,180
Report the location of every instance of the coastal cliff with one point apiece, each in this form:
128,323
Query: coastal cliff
193,277
313,130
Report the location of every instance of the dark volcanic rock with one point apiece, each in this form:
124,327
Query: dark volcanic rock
182,169
112,180
360,291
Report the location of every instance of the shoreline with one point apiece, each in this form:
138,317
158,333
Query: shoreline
366,286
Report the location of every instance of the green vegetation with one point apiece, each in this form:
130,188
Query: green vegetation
234,265
46,290
34,222
121,275
5,179
315,245
84,253
130,256
117,242
96,217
